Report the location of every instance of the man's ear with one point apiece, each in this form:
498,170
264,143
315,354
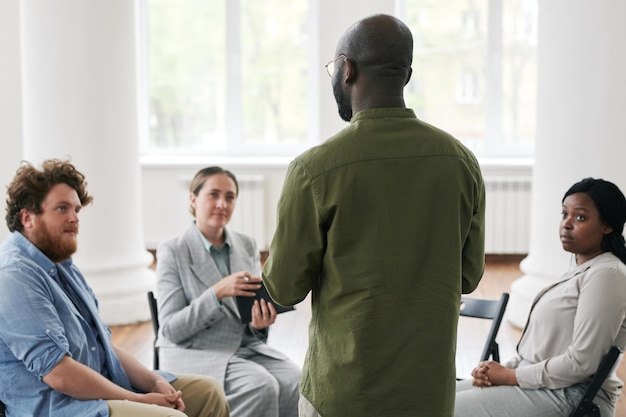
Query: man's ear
26,217
349,72
408,77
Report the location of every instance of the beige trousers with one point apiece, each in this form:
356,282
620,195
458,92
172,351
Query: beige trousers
203,397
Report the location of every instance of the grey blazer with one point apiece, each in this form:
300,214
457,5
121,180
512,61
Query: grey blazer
198,334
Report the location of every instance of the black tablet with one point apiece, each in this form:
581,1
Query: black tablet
244,304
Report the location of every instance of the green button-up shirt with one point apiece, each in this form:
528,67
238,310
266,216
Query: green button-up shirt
384,223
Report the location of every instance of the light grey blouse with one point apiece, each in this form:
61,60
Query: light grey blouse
571,326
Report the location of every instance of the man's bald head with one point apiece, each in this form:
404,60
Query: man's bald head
381,46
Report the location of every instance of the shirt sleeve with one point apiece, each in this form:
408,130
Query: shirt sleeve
474,246
297,249
31,326
599,316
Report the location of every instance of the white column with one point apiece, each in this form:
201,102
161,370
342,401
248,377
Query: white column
80,101
10,99
580,130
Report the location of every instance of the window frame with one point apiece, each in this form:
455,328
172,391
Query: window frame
492,146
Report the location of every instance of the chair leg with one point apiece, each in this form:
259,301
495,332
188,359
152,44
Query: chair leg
496,352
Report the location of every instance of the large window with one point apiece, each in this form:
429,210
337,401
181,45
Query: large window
234,77
474,71
226,77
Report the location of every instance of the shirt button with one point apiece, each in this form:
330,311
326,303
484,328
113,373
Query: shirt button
47,331
93,348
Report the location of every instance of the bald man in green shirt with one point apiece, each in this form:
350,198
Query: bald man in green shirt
384,224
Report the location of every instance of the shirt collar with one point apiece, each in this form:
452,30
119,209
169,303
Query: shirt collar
383,113
208,245
35,253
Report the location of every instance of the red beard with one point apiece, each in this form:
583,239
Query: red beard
56,248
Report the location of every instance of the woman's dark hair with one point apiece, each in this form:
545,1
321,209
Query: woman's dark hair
198,181
30,187
611,205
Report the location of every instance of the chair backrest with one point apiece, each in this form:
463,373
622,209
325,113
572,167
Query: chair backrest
487,309
154,314
586,406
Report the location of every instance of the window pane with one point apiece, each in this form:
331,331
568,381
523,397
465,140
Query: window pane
274,71
227,76
474,71
186,67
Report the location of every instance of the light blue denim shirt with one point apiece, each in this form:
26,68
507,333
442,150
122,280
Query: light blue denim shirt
39,325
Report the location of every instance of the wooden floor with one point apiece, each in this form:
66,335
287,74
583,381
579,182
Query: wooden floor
289,333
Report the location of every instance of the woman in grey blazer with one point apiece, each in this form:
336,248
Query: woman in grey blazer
199,274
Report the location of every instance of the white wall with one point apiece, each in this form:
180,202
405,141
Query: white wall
166,200
10,98
165,195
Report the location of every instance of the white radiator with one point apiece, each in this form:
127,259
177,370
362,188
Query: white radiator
508,208
507,214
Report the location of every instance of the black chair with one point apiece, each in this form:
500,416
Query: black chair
154,314
586,406
2,413
491,310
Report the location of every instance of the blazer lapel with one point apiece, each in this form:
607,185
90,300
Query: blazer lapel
200,261
239,257
203,266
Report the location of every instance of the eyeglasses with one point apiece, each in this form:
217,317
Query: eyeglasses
330,67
